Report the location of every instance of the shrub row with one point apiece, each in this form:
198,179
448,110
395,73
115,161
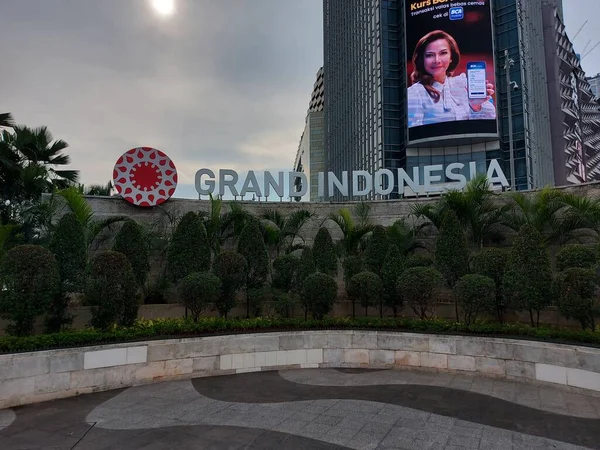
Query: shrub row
176,328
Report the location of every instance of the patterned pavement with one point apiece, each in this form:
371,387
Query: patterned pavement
313,409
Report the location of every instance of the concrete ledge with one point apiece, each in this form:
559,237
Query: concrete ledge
41,376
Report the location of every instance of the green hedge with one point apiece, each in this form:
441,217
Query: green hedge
176,328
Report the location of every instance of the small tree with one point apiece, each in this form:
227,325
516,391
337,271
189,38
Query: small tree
419,261
575,256
367,289
352,265
324,253
452,251
132,242
419,287
376,250
111,290
231,269
188,250
576,291
252,247
474,293
528,276
305,269
392,269
68,245
491,262
319,293
284,272
199,291
29,283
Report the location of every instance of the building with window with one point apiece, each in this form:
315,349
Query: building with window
594,84
310,157
365,90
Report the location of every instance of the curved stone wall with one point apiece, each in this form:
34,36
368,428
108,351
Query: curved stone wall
40,376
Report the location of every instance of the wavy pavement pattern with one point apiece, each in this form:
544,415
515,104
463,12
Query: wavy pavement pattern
356,424
544,398
7,417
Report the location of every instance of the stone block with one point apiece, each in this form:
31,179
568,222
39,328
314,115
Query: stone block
51,382
408,358
521,369
295,357
105,358
150,371
314,356
206,363
583,379
237,361
382,357
332,340
364,339
237,344
266,343
442,345
179,367
226,362
270,359
249,361
87,378
458,362
17,387
356,356
260,359
560,356
550,373
528,353
281,358
24,366
490,366
309,366
434,360
137,355
248,370
403,341
485,348
66,362
164,352
118,377
588,360
294,342
334,356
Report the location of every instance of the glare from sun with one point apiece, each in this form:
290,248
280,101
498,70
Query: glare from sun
164,7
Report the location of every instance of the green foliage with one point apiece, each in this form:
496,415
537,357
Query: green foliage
528,276
576,291
354,227
252,247
419,260
366,288
451,249
319,294
392,269
491,262
188,250
69,247
306,268
199,291
207,326
284,272
324,253
575,256
231,269
133,243
284,303
475,294
111,290
29,283
376,250
352,265
419,287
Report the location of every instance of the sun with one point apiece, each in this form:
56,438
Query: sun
164,7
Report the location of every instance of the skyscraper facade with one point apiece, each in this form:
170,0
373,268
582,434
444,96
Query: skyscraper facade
366,109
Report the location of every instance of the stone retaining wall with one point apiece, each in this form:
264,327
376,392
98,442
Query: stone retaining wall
40,376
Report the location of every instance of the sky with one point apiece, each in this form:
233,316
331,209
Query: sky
217,84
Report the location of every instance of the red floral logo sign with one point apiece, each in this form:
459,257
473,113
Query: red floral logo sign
145,176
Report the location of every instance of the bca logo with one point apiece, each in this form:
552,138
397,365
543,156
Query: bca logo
456,13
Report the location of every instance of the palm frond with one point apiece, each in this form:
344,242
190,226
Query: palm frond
78,205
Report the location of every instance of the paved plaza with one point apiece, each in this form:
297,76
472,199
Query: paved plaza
313,409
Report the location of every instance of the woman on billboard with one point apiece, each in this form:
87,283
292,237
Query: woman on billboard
436,95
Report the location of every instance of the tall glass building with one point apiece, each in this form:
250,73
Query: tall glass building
365,91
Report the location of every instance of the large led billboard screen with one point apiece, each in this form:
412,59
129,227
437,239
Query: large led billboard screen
450,69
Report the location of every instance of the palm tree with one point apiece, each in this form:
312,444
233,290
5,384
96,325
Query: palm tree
476,207
405,237
355,228
282,231
223,226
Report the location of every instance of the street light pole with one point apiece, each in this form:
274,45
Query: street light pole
508,62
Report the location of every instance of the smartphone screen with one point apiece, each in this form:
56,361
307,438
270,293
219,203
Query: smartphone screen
476,80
